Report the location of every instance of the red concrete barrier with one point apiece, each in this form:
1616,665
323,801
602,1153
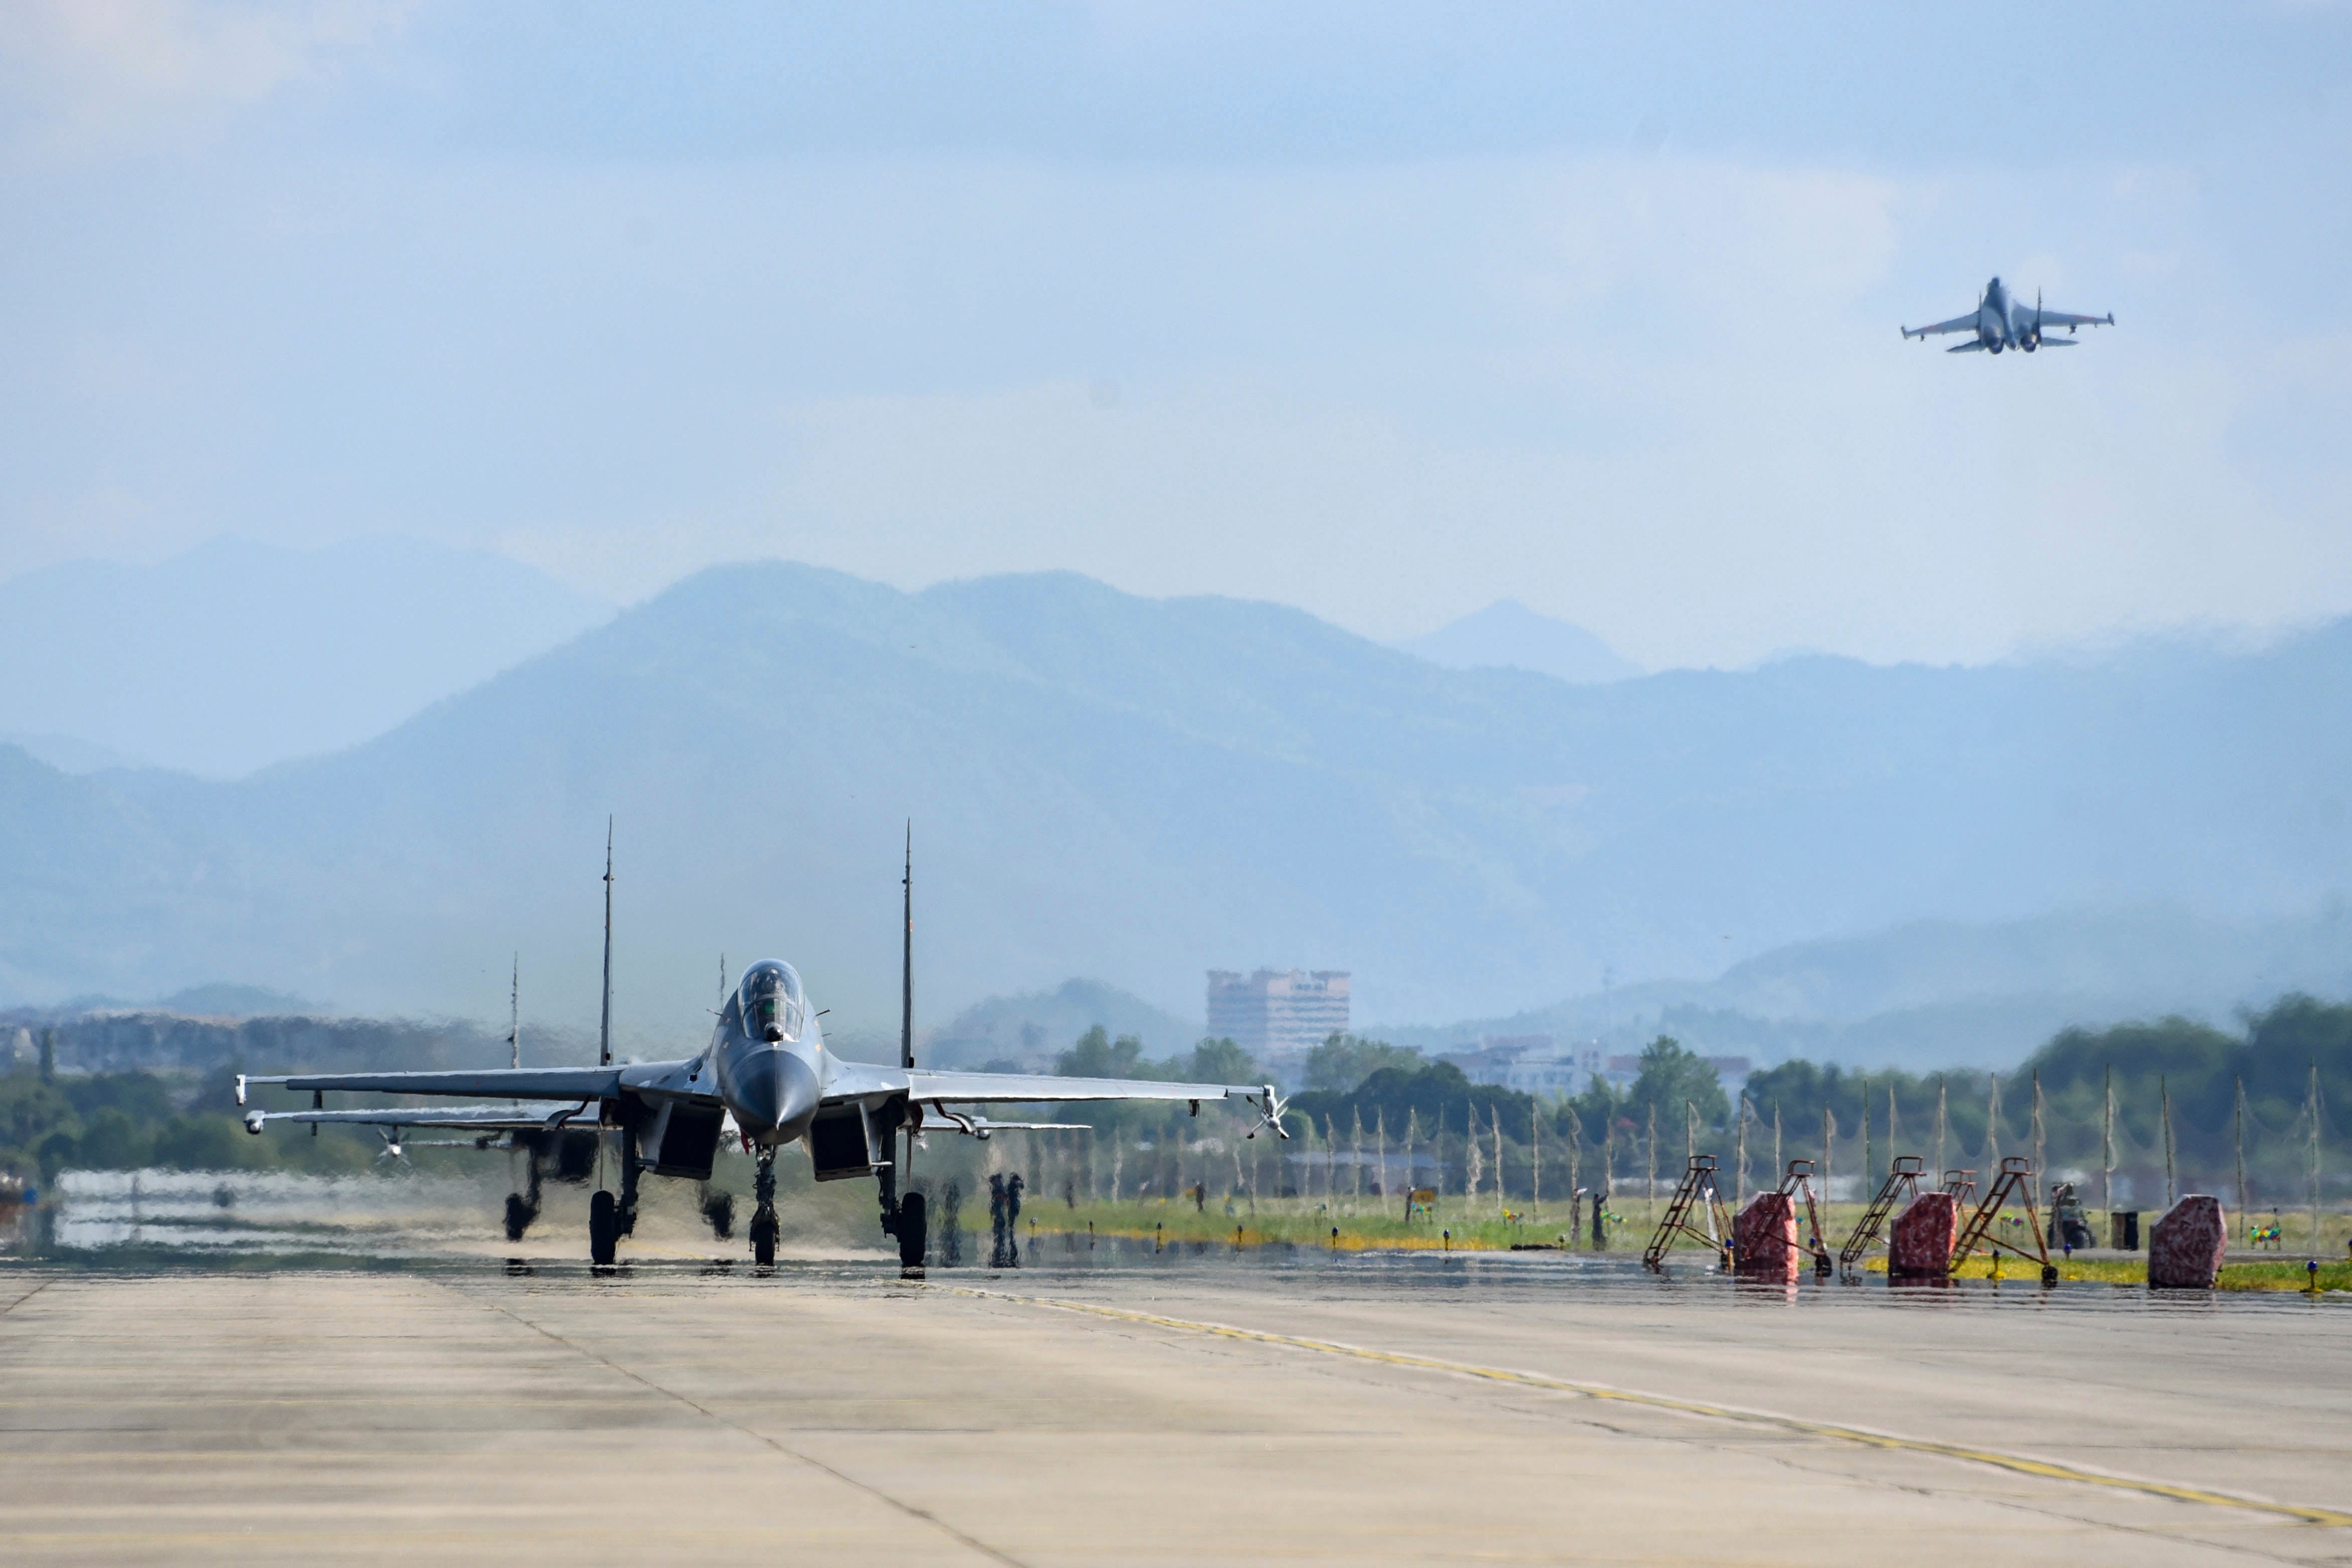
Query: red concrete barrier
1764,1239
1921,1244
2185,1245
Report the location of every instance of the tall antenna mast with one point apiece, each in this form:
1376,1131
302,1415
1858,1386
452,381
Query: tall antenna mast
906,961
604,1025
514,1015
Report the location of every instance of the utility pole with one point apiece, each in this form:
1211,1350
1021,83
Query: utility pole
1829,1138
1535,1157
1575,1170
2038,1166
2314,1105
1356,1148
1865,1132
1745,1110
1437,1157
2108,1149
1650,1204
1777,1165
1411,1136
1495,1121
1939,1127
1894,1135
2164,1099
2245,1204
1992,1129
1330,1163
1608,1178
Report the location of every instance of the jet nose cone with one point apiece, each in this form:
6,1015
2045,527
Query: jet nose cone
773,1096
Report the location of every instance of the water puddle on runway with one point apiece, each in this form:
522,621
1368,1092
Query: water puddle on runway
143,1219
259,1214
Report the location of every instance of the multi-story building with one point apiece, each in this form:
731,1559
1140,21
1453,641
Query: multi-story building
1277,1012
1533,1064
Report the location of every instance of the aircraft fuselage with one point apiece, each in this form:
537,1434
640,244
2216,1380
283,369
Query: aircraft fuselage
768,1055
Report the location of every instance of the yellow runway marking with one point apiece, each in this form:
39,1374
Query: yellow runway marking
1863,1437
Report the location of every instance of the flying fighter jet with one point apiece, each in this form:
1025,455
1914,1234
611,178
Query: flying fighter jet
2001,322
766,1070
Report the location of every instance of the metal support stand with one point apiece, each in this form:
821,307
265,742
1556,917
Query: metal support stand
1696,1193
1902,1185
2016,1180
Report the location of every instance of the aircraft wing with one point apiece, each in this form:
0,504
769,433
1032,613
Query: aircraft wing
516,1083
1041,1089
2061,318
471,1118
1966,323
856,1080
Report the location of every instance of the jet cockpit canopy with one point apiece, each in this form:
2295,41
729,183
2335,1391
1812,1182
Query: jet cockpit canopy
773,1008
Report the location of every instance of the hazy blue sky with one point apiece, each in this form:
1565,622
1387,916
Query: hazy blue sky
1385,311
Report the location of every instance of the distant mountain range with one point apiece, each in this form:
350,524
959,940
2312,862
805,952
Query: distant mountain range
1507,635
236,655
1142,790
1034,1028
1935,993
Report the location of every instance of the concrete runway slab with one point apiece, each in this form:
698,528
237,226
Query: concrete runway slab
1416,1410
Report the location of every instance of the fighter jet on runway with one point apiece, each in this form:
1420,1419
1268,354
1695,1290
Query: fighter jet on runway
2000,322
767,1069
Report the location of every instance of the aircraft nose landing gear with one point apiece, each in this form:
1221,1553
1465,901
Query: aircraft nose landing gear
763,1213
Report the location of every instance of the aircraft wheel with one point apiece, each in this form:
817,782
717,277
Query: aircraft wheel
520,1212
914,1231
604,1227
763,1239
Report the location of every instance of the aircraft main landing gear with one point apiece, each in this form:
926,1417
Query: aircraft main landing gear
522,1208
913,1232
603,1228
763,1213
904,1218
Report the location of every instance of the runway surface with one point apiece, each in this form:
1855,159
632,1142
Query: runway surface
1173,1410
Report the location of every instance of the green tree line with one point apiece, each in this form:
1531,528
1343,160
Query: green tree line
51,1121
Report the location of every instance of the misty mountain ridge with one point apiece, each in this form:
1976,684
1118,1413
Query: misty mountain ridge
1935,994
1035,1027
1507,635
1144,790
236,655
